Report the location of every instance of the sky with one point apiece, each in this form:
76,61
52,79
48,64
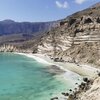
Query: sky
41,10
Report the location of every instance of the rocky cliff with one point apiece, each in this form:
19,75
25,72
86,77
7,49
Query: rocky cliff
76,39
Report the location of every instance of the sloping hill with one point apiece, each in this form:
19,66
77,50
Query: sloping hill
77,39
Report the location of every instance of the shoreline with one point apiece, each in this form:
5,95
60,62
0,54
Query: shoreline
67,76
81,70
73,71
44,59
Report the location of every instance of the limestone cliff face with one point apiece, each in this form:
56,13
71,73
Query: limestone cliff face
76,39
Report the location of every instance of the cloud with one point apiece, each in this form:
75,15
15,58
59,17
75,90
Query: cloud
62,5
80,1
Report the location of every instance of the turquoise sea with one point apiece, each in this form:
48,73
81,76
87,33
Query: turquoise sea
23,78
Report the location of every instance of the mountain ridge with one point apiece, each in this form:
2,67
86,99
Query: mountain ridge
11,27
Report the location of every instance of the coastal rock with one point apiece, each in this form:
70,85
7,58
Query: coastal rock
83,87
65,94
93,93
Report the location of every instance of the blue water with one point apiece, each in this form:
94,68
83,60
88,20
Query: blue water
23,78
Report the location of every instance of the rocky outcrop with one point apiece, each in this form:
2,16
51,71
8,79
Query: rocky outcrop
93,93
12,48
8,48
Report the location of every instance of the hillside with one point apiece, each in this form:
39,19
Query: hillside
76,39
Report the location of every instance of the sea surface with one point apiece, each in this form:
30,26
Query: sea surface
23,78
